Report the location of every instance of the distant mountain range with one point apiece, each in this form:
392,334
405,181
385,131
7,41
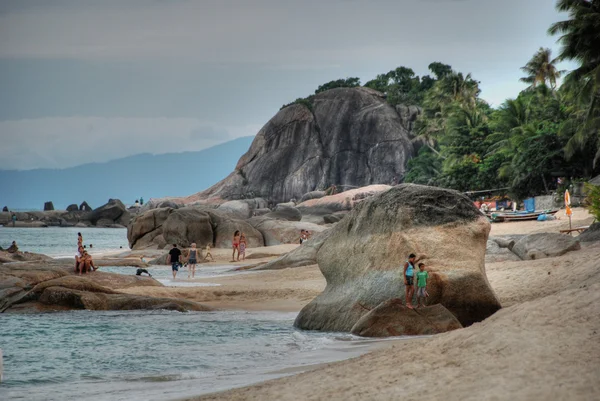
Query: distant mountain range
128,179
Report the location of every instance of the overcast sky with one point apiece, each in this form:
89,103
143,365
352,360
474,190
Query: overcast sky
84,80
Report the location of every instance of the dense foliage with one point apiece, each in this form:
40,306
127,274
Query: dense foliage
526,144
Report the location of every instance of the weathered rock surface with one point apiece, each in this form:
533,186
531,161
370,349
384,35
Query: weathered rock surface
543,245
362,258
72,207
48,206
315,210
237,208
276,232
334,218
156,228
285,212
224,226
304,255
392,318
27,287
114,210
495,253
6,257
312,195
505,242
592,234
85,207
351,137
187,225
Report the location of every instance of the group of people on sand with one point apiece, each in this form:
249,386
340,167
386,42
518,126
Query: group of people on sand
176,259
239,245
83,260
409,274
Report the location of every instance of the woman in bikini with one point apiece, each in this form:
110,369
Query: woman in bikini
236,244
192,260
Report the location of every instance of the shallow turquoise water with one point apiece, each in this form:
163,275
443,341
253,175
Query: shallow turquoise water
153,355
62,241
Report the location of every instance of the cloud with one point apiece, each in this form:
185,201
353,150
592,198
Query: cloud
66,142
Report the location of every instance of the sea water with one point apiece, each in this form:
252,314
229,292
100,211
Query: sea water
148,355
154,355
62,241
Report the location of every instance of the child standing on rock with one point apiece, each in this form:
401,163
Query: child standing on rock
409,275
422,276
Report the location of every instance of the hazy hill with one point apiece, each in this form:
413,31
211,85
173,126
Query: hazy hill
143,175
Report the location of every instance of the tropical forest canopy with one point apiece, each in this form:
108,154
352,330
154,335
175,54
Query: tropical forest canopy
548,131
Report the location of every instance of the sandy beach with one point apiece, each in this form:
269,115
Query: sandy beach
543,344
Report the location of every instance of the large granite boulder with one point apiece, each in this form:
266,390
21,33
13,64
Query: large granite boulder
544,245
277,232
114,211
84,207
187,225
237,208
363,257
350,137
72,207
224,226
145,227
48,206
592,234
156,228
392,318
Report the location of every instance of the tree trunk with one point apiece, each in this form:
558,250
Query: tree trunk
545,184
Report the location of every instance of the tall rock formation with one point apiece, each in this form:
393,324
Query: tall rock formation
350,137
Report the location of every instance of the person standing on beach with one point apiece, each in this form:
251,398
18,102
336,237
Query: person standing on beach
235,243
14,219
243,245
192,260
174,259
409,275
422,276
79,240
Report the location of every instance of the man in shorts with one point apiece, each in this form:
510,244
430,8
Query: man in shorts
174,259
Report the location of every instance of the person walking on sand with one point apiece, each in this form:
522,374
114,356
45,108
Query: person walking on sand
174,259
422,276
235,244
192,260
409,275
243,245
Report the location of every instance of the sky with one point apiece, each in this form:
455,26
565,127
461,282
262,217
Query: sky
91,81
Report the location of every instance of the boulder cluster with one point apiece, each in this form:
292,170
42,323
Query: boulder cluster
167,222
113,214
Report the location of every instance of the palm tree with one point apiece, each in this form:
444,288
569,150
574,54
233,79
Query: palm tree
541,69
581,42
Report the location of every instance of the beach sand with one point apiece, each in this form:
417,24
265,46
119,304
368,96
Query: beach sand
543,345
